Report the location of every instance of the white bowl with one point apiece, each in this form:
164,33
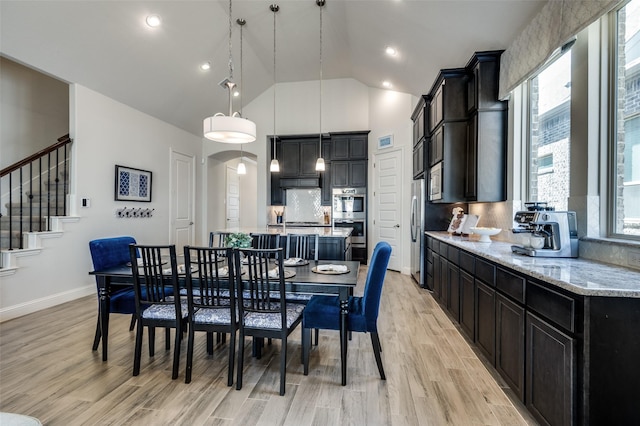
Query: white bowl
485,233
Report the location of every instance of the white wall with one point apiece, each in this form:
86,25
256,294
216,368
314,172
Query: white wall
34,111
105,133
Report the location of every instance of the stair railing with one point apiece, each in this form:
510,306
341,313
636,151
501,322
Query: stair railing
29,172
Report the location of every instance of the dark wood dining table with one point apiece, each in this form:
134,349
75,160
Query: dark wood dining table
304,281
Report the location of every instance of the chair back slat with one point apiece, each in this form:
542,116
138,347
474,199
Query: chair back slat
304,246
156,279
259,286
208,286
218,239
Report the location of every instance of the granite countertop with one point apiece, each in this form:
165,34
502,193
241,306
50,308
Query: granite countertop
284,230
579,276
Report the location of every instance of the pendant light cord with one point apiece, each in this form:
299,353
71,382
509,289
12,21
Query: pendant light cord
274,8
230,56
320,137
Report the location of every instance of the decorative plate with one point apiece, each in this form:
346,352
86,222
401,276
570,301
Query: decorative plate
329,271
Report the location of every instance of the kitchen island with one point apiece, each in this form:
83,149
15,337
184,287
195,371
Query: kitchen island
561,332
333,243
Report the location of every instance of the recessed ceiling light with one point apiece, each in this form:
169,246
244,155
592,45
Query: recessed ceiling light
386,84
391,51
153,21
205,66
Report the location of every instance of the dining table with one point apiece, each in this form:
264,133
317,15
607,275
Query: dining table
307,278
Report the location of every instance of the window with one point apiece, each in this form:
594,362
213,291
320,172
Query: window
625,152
545,164
549,133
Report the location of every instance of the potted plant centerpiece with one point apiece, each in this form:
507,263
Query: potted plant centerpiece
238,240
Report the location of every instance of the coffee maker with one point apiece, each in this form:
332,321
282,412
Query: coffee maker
558,230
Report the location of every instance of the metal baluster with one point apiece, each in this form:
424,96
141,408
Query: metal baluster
66,180
30,197
48,192
21,210
40,191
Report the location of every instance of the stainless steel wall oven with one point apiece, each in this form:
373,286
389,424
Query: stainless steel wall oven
350,211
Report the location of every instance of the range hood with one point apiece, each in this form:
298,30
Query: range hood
300,182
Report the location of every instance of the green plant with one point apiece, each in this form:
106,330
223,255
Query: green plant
238,240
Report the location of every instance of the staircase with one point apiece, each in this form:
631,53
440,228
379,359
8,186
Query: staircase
33,196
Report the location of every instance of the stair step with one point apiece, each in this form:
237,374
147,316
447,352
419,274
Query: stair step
35,209
26,220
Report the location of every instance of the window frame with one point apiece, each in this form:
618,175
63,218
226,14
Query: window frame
610,164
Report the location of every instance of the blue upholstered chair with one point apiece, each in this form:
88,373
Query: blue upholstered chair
324,311
108,253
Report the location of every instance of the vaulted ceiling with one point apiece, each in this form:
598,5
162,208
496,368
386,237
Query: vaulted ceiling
106,45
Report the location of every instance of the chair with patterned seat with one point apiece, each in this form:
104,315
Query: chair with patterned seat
302,246
155,282
324,311
211,299
108,253
262,315
218,239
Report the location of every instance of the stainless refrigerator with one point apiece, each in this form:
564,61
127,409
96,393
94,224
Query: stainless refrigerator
417,231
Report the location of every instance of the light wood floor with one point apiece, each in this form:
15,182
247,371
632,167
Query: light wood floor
47,370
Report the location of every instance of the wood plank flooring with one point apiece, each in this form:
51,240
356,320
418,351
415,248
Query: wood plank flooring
47,370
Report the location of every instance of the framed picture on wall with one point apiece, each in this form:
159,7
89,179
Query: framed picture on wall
132,184
385,142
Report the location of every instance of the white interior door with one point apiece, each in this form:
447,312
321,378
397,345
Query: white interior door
233,198
387,223
182,199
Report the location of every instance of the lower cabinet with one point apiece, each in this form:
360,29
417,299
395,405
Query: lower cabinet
510,319
486,320
550,373
333,248
467,304
437,285
453,290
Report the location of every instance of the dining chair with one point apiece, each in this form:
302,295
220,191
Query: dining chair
304,246
108,253
211,299
265,241
324,311
218,239
262,315
155,284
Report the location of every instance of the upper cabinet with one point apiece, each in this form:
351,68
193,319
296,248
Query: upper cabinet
419,118
448,97
486,156
349,159
467,132
349,146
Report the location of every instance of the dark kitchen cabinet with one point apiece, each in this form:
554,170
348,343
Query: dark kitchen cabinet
418,160
467,304
448,145
448,97
326,197
550,372
485,174
510,318
486,320
349,174
420,141
349,146
437,284
298,158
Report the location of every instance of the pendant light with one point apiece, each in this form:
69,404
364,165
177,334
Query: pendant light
274,167
242,169
320,161
232,128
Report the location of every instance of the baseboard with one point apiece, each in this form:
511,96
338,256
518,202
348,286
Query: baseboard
36,305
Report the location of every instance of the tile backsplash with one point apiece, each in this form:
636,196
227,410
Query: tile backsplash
304,205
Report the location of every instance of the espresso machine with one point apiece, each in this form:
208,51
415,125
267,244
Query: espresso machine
558,230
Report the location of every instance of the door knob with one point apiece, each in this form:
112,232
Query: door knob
397,225
190,223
